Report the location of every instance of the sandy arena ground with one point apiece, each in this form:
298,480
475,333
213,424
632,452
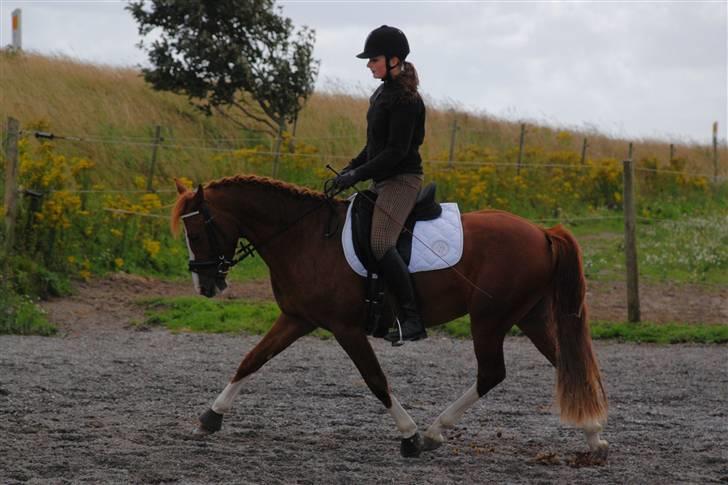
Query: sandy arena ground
106,403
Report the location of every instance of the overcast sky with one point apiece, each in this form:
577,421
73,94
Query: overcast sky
626,68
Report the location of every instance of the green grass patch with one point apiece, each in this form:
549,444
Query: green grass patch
687,250
252,268
644,332
660,333
21,316
200,314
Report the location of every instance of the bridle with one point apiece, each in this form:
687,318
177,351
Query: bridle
221,263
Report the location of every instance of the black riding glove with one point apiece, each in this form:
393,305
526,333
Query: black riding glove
346,179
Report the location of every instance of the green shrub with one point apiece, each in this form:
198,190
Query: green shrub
21,316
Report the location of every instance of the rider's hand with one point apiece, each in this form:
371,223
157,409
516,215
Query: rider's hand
346,179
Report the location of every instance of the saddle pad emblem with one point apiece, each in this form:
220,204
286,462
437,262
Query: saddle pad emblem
436,244
440,247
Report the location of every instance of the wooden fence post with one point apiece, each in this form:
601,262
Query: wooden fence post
630,243
11,183
453,134
153,162
520,148
292,141
672,152
715,152
279,140
583,151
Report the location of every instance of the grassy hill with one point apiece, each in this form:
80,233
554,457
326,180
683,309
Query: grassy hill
116,111
96,216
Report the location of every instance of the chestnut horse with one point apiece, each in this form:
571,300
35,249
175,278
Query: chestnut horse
511,272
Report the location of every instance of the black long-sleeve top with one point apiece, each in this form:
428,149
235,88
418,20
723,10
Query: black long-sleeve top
395,131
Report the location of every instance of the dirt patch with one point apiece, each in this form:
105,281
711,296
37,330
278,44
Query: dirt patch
105,403
111,302
118,405
660,302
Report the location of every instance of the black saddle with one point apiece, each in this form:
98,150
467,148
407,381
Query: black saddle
362,209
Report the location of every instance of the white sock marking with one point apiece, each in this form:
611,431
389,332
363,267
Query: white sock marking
453,414
224,401
404,422
591,431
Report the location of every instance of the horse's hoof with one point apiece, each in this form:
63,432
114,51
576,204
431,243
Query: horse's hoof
411,447
431,444
199,432
210,422
601,451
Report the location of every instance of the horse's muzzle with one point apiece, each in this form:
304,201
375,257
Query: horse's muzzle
211,287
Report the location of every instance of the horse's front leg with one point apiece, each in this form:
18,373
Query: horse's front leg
285,331
356,345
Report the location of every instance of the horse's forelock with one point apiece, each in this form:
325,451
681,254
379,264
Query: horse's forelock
177,210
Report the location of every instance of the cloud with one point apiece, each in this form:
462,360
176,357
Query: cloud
640,68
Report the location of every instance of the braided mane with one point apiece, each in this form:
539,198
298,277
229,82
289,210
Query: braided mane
257,180
291,189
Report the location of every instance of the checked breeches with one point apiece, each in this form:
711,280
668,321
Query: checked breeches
396,198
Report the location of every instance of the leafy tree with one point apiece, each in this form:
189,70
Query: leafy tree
239,58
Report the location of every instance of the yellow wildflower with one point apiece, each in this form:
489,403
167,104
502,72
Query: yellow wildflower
186,182
152,247
151,202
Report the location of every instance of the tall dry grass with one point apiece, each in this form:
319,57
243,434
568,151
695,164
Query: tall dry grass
116,106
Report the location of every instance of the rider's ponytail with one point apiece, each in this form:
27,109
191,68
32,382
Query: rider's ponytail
409,78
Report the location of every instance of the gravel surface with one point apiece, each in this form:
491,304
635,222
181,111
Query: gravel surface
115,405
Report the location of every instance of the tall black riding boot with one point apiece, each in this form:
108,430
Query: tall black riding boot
396,274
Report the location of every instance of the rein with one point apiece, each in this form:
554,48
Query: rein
244,249
222,263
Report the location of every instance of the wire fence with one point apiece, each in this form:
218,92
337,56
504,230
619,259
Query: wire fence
152,142
628,217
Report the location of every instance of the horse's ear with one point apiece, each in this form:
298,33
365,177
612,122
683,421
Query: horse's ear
181,189
199,194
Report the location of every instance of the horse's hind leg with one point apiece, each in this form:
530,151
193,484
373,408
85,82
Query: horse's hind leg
488,339
539,326
284,332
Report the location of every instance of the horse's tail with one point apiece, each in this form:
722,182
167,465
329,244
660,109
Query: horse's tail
580,393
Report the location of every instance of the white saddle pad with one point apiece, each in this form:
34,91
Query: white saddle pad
436,244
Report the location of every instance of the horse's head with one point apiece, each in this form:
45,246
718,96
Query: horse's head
212,238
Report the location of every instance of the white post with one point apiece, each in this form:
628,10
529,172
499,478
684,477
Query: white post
17,32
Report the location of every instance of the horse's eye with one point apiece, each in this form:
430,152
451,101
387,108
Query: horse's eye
193,237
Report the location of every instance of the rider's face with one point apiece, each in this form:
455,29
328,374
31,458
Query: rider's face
378,66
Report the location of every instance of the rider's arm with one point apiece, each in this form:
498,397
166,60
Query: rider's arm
401,128
357,161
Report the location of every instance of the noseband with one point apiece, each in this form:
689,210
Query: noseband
220,262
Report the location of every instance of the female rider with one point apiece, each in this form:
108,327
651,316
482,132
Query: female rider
395,131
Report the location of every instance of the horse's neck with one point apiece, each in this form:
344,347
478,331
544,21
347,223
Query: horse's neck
282,226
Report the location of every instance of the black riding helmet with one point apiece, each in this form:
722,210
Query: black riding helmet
388,42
